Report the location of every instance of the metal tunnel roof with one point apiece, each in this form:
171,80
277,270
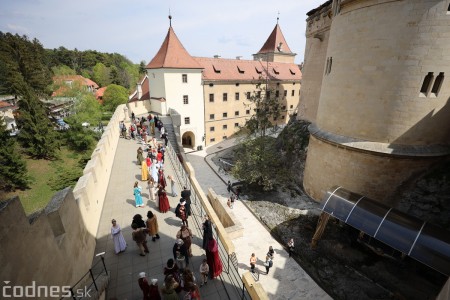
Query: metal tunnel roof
420,240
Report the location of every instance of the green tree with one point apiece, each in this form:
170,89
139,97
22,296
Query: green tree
36,131
114,76
114,95
142,69
257,162
100,74
79,138
13,169
63,70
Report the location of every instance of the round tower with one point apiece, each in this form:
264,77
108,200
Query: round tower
383,112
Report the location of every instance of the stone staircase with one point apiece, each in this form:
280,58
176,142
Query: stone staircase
167,121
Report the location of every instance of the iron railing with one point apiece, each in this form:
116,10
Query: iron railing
229,261
89,282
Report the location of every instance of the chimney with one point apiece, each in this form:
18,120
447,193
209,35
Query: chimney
216,56
139,90
238,57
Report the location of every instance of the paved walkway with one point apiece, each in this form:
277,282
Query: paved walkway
286,279
120,205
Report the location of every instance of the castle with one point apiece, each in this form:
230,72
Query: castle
376,94
211,96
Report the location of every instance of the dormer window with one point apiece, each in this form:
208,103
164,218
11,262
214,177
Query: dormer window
280,47
216,69
258,70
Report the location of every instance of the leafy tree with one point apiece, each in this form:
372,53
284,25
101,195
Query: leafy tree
79,138
114,95
114,76
63,70
87,109
23,65
100,74
13,169
258,162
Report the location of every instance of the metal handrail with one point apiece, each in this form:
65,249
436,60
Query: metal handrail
229,261
94,279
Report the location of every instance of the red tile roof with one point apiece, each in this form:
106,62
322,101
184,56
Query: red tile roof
172,55
75,78
220,69
273,42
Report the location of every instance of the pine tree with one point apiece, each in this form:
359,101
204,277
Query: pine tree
37,134
25,75
13,169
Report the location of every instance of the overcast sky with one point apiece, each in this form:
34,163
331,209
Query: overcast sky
137,28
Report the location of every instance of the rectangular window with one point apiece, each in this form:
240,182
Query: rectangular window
236,96
224,126
225,115
248,95
247,112
426,84
282,117
293,93
236,124
277,93
285,93
437,84
268,94
236,113
291,106
212,128
187,121
283,107
211,116
184,78
212,140
225,97
258,94
211,97
185,99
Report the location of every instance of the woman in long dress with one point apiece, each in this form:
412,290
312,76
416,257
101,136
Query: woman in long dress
161,178
152,225
137,195
151,188
212,256
207,232
119,242
164,205
144,171
155,172
172,185
140,156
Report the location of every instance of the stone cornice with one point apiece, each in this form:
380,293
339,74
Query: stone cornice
377,147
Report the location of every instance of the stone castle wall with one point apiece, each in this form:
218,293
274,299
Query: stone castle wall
375,127
55,246
317,36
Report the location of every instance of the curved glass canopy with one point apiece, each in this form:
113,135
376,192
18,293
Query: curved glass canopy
422,241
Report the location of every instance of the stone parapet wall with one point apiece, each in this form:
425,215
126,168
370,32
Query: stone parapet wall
55,246
378,176
227,218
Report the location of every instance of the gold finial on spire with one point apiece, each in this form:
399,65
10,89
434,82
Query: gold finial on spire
170,19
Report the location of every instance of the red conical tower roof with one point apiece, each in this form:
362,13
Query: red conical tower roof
272,45
173,55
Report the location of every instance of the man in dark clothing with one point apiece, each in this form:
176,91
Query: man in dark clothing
186,195
183,211
165,138
229,186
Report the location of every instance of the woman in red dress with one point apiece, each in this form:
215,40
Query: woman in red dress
161,178
164,205
212,256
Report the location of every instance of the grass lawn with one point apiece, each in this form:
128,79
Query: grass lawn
42,172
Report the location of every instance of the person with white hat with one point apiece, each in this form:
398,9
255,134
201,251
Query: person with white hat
154,290
180,254
145,287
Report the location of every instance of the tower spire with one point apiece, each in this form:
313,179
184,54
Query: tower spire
278,17
170,19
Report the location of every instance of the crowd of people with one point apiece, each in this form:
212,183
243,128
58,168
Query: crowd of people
179,279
